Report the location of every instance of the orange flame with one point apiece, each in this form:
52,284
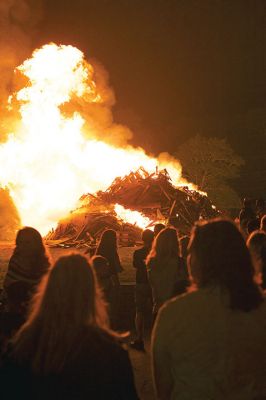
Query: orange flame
48,161
132,217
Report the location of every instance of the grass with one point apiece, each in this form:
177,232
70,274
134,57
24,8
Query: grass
125,253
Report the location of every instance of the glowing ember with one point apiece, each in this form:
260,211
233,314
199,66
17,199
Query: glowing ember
48,162
132,217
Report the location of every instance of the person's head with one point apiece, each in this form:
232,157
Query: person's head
70,292
29,242
158,228
68,300
147,237
263,223
247,203
108,240
260,204
218,256
165,246
257,246
101,266
253,225
99,262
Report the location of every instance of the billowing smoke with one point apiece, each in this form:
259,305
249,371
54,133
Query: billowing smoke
18,23
98,116
26,177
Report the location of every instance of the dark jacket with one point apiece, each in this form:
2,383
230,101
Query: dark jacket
139,257
101,369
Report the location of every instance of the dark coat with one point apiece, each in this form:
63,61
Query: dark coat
100,370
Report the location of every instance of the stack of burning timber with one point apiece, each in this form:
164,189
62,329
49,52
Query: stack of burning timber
152,196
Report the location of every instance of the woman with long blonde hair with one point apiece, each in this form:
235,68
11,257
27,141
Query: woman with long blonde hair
166,269
65,350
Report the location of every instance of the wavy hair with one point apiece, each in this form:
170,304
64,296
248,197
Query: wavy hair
165,246
108,243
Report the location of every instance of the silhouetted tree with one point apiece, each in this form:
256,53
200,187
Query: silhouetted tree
210,163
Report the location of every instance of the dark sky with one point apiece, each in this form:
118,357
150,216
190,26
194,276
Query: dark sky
177,67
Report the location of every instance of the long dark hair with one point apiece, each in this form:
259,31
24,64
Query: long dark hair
29,241
219,255
30,254
68,300
108,244
165,247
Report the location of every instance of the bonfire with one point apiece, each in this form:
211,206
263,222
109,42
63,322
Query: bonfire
64,143
138,200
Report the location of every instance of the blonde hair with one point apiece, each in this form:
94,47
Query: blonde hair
165,246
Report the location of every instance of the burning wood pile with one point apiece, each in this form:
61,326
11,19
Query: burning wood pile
131,203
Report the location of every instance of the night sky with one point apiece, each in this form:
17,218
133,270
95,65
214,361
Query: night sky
178,68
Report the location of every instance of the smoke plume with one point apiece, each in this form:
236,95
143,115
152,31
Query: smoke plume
18,23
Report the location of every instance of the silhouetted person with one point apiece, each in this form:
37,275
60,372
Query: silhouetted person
260,208
158,228
65,349
18,297
104,275
253,225
28,263
166,269
107,248
210,343
246,214
263,223
143,295
257,245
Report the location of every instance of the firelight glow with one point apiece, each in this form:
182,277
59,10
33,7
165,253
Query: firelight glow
49,163
132,217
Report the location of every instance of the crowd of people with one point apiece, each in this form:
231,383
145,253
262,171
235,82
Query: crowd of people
59,321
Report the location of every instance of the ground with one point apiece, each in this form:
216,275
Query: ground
140,361
127,276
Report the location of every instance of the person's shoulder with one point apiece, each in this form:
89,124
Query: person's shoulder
181,302
140,251
104,338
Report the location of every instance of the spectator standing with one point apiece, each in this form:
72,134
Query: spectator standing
158,228
29,261
246,214
166,269
211,342
260,208
107,248
257,246
11,319
27,265
263,223
143,295
104,276
65,349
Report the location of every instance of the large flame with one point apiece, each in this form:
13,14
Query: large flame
48,163
132,217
